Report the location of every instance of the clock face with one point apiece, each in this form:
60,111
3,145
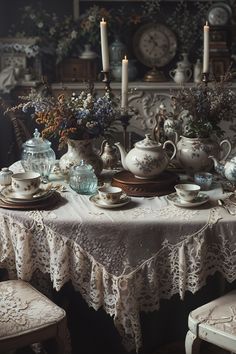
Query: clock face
155,45
219,14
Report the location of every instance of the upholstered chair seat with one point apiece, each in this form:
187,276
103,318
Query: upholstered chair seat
27,317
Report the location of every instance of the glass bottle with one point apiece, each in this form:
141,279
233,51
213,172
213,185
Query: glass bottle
38,156
82,178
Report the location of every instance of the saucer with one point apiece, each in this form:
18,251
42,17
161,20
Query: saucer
202,198
7,194
95,199
45,203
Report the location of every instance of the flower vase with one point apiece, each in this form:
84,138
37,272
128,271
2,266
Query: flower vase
193,153
80,150
185,65
88,53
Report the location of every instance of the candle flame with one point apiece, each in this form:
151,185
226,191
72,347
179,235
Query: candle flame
125,57
206,23
103,19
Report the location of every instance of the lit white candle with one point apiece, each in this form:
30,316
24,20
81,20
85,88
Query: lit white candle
104,46
76,9
206,48
124,83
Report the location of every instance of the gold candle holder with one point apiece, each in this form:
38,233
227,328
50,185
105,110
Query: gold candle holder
106,79
125,118
205,78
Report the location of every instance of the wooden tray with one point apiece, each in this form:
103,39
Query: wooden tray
136,187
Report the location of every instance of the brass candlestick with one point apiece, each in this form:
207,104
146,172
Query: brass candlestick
205,78
125,118
106,80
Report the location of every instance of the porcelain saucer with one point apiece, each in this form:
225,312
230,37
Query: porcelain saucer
202,198
7,194
95,199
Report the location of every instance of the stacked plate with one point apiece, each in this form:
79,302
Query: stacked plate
10,200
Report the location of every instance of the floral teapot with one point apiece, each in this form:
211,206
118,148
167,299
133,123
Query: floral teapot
226,169
181,74
147,159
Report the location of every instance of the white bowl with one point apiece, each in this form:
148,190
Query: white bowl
25,184
187,191
109,194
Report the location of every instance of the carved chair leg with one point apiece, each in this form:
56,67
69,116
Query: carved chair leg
192,343
63,338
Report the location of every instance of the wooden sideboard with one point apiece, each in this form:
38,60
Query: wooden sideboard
145,98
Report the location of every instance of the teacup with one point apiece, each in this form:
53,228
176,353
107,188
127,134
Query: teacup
110,194
25,184
204,180
187,191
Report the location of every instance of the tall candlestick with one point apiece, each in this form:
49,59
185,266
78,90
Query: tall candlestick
76,9
104,46
206,49
124,83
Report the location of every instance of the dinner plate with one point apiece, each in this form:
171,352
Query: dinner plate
95,199
44,204
202,198
8,195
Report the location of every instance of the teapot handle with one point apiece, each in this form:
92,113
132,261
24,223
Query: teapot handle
228,143
172,73
102,147
174,147
188,72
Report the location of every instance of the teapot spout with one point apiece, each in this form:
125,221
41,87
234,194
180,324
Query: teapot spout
219,167
123,154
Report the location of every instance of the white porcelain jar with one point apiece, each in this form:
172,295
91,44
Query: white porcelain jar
5,176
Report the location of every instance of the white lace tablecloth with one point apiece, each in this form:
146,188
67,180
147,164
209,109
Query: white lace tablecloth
124,260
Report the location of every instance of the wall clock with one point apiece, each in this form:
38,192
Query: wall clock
155,45
219,14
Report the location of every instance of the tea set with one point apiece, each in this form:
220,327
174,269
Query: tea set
110,197
22,190
145,161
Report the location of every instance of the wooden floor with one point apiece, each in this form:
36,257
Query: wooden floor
173,348
178,348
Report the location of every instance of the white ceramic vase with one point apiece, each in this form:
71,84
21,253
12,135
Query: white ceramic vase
193,153
80,150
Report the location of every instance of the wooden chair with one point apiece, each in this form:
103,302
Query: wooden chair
214,322
27,317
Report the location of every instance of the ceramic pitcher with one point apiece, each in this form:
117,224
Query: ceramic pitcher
180,75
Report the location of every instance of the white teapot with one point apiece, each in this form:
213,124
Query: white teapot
226,168
181,74
147,159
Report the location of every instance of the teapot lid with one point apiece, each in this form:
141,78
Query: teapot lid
83,168
147,142
37,143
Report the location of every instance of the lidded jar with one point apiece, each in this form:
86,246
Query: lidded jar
38,156
82,178
5,176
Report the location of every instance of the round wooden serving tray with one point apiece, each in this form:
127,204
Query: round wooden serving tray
137,187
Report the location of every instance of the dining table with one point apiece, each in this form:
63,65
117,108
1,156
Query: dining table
125,259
